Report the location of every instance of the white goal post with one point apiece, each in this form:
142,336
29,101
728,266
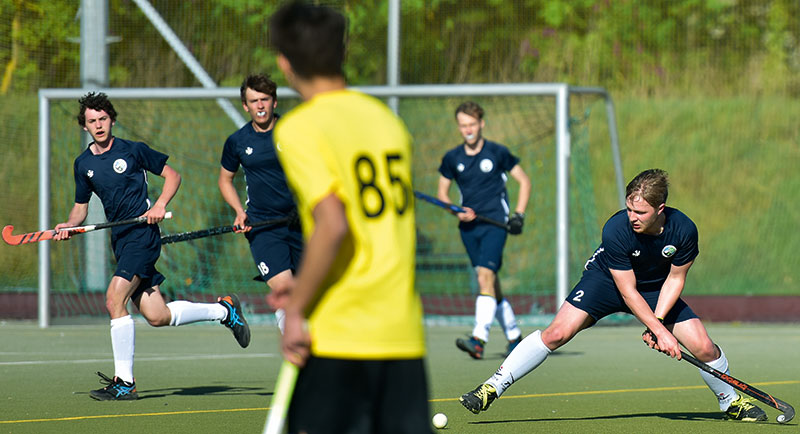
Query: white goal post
560,91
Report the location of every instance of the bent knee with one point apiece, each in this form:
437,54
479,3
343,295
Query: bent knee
555,337
159,320
707,352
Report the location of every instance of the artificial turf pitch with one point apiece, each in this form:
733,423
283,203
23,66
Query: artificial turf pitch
195,379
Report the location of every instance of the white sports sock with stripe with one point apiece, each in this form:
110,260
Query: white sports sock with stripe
505,316
280,318
485,308
527,356
186,312
123,339
724,392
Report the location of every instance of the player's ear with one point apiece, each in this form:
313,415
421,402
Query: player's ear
661,208
285,67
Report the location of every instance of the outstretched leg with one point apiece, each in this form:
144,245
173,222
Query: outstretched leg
527,356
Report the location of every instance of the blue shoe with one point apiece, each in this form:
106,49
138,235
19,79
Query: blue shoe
115,390
513,344
473,346
235,320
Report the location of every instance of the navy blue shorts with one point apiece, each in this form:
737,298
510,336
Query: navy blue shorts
597,295
136,249
360,396
275,249
484,244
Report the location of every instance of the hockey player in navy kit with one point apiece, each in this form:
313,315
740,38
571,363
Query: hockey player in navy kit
640,268
479,167
115,169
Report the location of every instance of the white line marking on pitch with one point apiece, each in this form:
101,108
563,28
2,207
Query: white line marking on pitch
143,359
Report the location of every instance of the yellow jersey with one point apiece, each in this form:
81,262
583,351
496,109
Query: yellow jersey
350,144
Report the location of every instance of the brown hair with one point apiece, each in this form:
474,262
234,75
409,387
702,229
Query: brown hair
259,83
470,108
95,101
651,185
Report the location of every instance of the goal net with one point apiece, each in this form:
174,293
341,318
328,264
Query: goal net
192,130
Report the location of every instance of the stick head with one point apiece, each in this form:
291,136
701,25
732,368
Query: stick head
7,237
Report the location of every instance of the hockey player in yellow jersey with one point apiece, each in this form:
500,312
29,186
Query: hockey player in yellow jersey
353,318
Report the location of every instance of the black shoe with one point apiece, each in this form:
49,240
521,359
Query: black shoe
473,346
115,390
479,399
235,320
743,409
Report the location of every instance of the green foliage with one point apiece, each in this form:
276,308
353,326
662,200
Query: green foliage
646,48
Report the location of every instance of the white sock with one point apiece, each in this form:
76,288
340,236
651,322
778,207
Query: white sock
505,316
186,312
123,338
724,392
485,307
529,354
280,317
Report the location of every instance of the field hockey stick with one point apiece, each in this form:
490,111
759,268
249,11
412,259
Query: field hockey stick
193,235
766,398
455,208
48,234
279,406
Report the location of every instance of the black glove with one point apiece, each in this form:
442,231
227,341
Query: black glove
294,220
515,223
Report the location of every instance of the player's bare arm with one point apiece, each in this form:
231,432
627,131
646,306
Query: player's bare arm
443,194
172,180
330,228
524,181
76,216
671,289
231,196
665,341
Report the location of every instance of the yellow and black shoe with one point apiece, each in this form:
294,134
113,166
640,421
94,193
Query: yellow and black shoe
115,390
479,399
744,410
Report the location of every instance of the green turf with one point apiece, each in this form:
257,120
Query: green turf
195,379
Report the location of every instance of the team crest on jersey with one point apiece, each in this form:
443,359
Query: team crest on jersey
90,173
248,151
668,251
636,253
486,165
460,167
120,165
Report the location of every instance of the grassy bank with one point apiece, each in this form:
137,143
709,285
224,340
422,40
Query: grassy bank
733,165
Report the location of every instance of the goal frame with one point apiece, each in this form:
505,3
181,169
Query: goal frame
560,91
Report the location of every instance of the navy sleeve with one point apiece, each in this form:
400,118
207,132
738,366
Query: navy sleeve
229,160
150,159
615,248
446,168
689,249
508,160
83,189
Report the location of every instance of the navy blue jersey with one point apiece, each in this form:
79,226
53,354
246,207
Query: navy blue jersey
118,177
481,178
268,195
649,256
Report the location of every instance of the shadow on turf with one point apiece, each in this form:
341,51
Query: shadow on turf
203,390
699,416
